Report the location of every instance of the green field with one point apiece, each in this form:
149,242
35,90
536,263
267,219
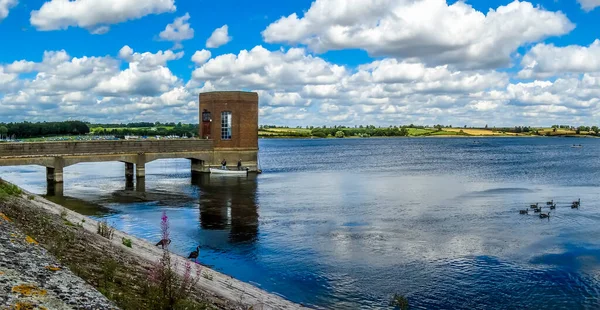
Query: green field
414,132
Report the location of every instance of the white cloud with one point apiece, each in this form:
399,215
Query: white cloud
260,68
589,5
20,66
148,61
178,31
95,15
295,88
95,88
547,60
219,37
201,57
5,6
430,30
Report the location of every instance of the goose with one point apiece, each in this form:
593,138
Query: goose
533,206
574,206
194,254
524,211
537,210
549,203
545,215
163,243
577,202
552,207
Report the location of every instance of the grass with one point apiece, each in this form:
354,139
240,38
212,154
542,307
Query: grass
8,190
418,131
105,230
126,242
476,132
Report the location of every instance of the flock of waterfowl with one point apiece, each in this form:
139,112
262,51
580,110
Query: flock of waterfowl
537,209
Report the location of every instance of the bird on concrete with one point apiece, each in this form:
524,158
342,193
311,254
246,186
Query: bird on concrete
163,243
194,254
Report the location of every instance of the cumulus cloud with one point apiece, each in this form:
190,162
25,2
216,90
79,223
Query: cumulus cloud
429,30
96,88
94,15
201,57
148,61
219,37
546,60
178,31
589,5
5,6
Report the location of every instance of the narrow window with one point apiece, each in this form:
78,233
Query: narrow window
225,125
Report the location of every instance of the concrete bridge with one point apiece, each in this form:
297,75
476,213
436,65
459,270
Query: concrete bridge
229,131
56,156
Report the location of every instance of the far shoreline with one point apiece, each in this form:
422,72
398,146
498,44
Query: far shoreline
424,136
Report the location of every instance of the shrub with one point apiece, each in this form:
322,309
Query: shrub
105,230
166,289
339,134
126,242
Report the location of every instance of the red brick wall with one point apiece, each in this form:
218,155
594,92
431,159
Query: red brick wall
244,118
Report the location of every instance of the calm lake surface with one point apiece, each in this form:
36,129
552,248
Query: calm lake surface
346,223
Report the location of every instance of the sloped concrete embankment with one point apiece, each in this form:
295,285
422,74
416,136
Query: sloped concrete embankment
86,251
31,278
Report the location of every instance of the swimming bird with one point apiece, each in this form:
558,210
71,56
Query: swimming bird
545,215
524,211
533,206
552,207
575,206
537,210
194,254
549,203
163,243
577,202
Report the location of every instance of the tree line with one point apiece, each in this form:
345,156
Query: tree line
43,129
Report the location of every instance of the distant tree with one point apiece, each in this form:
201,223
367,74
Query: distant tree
595,129
3,131
578,131
438,127
339,134
486,127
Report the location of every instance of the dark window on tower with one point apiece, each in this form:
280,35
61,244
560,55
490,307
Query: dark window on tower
225,125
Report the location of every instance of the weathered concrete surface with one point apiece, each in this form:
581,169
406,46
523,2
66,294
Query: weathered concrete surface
34,149
31,278
225,287
56,156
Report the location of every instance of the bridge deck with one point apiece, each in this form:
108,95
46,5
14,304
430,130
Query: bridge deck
57,155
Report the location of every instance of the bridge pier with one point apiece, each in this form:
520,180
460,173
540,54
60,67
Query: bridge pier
197,166
129,171
55,189
55,174
140,166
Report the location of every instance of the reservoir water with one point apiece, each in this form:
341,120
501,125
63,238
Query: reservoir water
346,223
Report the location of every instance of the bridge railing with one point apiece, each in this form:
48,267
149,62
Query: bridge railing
65,148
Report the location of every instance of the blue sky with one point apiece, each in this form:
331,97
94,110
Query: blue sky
346,62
